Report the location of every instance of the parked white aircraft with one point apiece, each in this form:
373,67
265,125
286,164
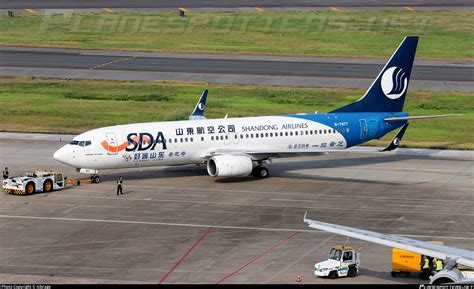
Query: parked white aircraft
452,256
236,147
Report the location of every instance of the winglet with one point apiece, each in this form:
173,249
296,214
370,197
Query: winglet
304,218
198,112
396,140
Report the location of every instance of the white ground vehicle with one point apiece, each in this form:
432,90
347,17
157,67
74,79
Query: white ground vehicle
34,182
342,261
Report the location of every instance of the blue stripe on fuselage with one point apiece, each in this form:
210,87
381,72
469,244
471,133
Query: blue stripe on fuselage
363,126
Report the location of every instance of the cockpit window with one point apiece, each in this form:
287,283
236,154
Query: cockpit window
83,143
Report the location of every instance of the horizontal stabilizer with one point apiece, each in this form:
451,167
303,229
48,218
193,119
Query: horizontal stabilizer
396,140
405,118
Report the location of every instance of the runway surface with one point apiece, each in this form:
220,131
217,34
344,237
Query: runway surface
53,4
342,70
159,231
461,74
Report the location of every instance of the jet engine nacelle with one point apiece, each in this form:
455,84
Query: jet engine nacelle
229,166
448,276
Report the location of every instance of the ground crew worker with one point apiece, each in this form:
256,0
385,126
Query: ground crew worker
119,185
425,267
439,265
5,173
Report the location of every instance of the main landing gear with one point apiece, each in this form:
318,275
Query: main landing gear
95,179
260,172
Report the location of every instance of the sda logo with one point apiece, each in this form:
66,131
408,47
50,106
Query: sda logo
394,82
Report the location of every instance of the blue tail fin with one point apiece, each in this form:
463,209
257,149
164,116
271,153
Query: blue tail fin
198,112
387,93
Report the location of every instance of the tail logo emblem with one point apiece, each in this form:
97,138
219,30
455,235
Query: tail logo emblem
394,82
201,106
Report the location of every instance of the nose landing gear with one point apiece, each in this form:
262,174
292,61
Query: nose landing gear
95,179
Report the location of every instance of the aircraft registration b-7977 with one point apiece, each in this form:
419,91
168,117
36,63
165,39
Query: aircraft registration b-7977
237,147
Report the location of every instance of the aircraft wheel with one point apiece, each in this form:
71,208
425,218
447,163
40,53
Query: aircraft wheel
95,179
260,172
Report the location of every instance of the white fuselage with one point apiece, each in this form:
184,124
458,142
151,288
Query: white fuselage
190,142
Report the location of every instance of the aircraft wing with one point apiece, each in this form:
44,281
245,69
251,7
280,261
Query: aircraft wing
270,153
460,256
261,154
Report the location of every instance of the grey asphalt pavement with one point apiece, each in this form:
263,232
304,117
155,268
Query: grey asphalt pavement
87,234
217,68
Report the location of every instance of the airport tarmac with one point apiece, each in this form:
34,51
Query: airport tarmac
178,225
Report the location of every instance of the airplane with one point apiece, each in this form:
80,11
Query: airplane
453,256
239,147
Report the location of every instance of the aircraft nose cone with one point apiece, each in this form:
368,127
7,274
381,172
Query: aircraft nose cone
62,155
